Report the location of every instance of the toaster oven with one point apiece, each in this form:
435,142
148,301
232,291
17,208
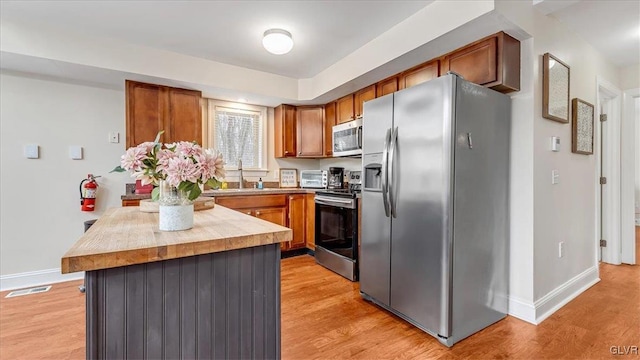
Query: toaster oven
313,179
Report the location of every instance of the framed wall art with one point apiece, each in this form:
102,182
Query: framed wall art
288,178
555,89
582,127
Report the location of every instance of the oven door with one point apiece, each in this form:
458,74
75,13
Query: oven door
336,236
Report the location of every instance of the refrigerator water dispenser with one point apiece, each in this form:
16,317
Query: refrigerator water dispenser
373,172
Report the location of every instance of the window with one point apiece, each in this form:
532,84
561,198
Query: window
238,132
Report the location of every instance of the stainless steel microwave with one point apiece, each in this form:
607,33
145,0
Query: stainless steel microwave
347,139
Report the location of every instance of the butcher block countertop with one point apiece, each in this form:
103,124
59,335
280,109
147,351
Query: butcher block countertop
126,236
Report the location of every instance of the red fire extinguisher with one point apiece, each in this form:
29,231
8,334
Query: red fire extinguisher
88,193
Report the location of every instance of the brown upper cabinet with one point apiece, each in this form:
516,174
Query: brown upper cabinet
493,62
419,74
387,86
345,110
310,131
366,94
152,108
329,122
285,131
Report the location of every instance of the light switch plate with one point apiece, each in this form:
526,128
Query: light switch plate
555,143
32,151
75,152
555,177
114,137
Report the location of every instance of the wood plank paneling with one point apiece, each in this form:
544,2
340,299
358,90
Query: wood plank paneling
210,306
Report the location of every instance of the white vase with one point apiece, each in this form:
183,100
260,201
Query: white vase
175,209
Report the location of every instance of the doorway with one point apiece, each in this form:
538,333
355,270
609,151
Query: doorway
615,215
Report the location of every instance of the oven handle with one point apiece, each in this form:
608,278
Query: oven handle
323,200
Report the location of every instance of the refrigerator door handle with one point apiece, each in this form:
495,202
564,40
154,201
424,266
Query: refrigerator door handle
392,147
469,140
385,185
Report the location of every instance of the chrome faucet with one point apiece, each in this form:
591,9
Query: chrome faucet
240,178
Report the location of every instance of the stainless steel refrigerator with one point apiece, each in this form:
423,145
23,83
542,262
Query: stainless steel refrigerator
435,224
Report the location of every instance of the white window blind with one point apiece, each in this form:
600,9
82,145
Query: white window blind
238,134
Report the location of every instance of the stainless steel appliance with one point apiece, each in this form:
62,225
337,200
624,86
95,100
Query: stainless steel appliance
313,179
434,206
336,230
336,178
347,139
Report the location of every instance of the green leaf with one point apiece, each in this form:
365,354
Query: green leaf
118,169
213,183
158,136
155,193
194,193
185,186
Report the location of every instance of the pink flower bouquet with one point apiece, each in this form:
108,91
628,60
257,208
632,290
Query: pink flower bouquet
183,165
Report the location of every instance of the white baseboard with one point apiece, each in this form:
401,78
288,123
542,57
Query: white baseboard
564,293
36,278
537,312
522,309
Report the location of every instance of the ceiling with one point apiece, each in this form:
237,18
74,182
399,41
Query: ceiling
226,31
325,33
612,27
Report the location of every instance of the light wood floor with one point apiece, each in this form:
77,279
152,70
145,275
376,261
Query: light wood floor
324,317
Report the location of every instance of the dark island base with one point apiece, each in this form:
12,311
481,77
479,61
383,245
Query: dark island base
223,305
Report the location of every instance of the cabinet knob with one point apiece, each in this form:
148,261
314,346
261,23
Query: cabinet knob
257,212
286,152
357,116
300,153
248,212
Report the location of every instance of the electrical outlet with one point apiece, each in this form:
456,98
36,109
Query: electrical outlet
561,249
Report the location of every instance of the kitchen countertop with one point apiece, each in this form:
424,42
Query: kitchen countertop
234,192
126,236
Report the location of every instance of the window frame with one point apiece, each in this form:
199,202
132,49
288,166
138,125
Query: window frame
211,118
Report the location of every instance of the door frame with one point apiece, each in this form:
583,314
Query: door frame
628,175
608,97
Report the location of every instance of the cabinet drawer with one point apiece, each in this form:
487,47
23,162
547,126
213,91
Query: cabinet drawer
251,201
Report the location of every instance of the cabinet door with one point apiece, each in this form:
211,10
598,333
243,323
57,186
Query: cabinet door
387,86
185,115
310,129
329,122
493,62
420,74
366,94
285,131
310,221
276,215
145,112
297,216
344,109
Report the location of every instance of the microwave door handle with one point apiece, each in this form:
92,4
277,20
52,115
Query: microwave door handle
359,137
390,176
385,188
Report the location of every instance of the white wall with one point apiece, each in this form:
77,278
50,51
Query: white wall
566,211
637,159
40,208
630,77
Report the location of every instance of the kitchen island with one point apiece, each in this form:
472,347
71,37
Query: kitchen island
209,292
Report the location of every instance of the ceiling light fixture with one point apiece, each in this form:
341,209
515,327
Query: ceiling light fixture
277,41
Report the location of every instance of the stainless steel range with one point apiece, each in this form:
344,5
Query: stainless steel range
336,234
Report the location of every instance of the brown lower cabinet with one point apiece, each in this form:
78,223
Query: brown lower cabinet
130,202
288,210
